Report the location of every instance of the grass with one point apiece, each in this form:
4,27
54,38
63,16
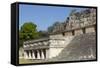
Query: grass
26,61
23,61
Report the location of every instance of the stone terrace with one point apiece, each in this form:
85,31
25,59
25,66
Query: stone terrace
82,47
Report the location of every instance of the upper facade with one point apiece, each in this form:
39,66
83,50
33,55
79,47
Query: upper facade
76,20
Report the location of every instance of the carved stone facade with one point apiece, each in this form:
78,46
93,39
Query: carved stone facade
77,23
43,48
77,20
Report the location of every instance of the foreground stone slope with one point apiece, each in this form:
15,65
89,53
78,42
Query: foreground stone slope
82,47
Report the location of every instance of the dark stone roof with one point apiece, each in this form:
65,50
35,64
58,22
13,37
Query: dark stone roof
37,47
37,40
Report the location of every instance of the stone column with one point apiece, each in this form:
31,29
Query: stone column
47,53
38,54
30,57
25,55
33,54
42,54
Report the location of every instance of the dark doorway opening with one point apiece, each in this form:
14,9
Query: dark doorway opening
73,32
63,33
83,30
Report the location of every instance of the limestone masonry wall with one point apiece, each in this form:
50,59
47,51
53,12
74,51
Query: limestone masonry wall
79,31
62,34
76,22
90,29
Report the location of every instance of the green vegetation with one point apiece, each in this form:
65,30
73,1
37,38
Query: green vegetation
24,61
50,28
28,31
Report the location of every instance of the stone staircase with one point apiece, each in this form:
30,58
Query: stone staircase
81,47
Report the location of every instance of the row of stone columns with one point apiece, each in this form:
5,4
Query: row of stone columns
35,54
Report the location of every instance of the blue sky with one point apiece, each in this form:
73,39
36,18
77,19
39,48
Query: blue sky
42,16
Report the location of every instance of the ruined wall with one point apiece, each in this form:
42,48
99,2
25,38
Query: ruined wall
78,23
68,33
78,20
56,45
90,29
53,52
78,32
56,35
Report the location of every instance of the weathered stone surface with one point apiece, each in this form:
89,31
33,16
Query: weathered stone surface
77,20
82,47
74,39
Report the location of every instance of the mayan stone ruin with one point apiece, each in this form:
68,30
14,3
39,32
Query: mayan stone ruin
73,39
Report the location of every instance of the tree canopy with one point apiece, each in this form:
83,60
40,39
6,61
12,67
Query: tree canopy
28,31
50,28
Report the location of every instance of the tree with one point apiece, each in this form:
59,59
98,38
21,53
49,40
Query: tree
56,23
43,34
51,28
28,31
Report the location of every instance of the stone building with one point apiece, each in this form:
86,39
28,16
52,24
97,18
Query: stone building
77,23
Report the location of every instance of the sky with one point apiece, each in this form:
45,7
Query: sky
42,16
